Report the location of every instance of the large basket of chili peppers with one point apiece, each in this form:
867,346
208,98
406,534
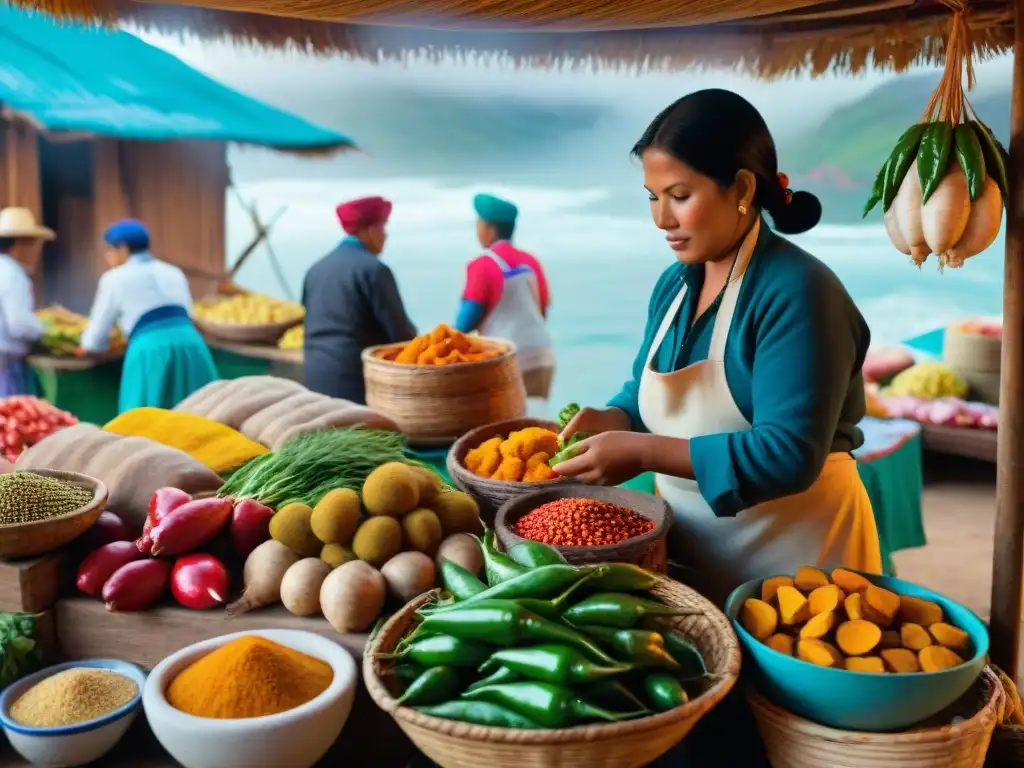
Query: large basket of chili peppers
602,665
589,524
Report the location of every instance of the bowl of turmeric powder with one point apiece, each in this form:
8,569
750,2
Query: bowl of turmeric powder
857,651
260,699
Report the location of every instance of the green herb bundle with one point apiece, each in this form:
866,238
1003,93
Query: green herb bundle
310,465
20,651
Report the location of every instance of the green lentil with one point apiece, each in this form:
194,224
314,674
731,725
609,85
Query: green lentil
26,497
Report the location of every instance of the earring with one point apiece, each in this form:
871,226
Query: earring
742,209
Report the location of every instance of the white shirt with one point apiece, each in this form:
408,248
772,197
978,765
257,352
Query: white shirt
19,326
127,292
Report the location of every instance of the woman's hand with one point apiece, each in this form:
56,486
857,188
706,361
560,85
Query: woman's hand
594,421
609,458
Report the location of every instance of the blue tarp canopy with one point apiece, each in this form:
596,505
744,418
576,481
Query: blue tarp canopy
70,77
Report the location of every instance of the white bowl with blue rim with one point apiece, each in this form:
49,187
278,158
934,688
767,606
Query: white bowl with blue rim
295,738
70,745
863,701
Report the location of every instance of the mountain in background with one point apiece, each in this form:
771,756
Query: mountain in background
839,158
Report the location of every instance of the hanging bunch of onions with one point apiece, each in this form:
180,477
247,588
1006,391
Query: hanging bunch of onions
944,185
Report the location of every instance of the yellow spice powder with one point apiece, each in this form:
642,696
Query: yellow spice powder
73,696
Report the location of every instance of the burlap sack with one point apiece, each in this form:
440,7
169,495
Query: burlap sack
301,415
203,400
254,426
250,395
68,449
134,467
338,419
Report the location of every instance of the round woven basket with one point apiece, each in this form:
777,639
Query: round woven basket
437,404
648,551
628,744
491,494
245,334
41,536
792,742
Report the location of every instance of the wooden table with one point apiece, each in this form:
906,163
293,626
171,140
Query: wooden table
961,441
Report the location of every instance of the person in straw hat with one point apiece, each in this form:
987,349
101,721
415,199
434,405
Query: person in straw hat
352,302
167,359
506,294
21,247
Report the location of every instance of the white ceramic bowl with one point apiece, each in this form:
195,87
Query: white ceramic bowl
73,744
296,738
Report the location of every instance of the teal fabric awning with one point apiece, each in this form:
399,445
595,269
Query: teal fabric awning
69,77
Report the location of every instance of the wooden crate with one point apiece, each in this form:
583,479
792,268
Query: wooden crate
86,629
32,585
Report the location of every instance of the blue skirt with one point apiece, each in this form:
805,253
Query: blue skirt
167,360
16,378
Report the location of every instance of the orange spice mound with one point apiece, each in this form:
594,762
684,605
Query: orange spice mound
444,346
249,677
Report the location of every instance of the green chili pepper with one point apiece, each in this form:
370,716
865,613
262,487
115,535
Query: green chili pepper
638,647
552,609
567,414
407,672
691,663
611,609
534,554
933,156
498,567
459,581
435,686
664,692
900,160
610,693
972,160
567,449
552,706
558,664
541,583
622,577
503,622
995,163
500,675
479,713
443,650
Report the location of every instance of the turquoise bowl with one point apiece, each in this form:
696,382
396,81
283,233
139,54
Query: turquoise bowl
862,701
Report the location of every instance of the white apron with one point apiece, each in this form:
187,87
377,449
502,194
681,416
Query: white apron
518,317
828,525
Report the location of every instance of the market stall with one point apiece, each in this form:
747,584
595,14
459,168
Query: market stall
839,655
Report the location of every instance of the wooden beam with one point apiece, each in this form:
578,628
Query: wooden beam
1008,561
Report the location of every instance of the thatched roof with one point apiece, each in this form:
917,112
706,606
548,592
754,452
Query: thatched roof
765,37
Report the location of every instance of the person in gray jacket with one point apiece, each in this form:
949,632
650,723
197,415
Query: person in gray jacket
352,302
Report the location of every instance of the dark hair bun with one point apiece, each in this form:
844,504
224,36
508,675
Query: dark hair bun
801,213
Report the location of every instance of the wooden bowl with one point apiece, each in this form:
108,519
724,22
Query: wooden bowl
40,536
246,334
629,744
491,494
648,550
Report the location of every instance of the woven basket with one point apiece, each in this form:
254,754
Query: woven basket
629,744
245,334
491,494
792,742
648,550
1007,747
437,404
41,536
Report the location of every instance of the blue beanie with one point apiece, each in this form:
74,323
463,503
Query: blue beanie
128,232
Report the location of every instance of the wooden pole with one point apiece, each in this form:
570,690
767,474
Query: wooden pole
1008,562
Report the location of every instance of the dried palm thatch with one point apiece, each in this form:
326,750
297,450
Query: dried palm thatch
767,38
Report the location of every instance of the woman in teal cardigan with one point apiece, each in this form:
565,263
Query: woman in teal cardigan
746,391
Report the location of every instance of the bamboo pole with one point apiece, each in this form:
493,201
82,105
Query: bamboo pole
1008,561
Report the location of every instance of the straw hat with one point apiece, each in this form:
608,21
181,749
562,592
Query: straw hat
19,222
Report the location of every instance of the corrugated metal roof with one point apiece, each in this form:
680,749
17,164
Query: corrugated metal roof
70,77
